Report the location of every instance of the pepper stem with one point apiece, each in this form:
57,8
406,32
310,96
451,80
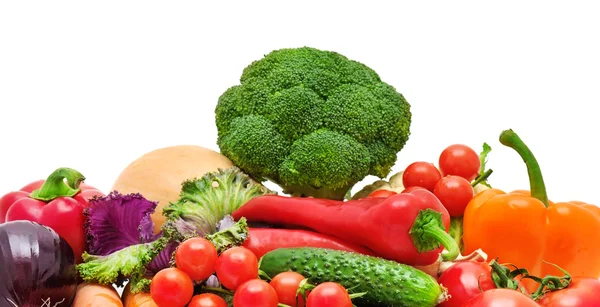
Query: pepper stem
536,182
483,177
428,232
55,185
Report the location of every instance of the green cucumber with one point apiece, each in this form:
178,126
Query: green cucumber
386,283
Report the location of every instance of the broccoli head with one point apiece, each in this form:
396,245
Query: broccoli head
312,121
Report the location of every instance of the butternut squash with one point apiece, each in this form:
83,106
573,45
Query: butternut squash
158,175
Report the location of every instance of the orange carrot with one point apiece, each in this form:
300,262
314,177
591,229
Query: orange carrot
94,295
141,299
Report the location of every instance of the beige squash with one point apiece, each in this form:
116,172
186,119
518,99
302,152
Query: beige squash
158,175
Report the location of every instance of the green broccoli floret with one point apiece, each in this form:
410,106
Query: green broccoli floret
312,121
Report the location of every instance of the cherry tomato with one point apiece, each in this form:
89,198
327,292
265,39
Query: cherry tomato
464,281
236,266
580,293
197,258
207,300
171,287
329,294
455,193
382,193
286,285
501,298
421,174
410,189
459,160
255,293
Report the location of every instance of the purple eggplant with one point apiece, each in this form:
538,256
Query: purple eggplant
37,267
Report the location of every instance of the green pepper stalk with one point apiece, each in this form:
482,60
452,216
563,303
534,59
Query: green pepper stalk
55,185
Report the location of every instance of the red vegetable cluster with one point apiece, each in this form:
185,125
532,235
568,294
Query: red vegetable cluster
237,270
458,164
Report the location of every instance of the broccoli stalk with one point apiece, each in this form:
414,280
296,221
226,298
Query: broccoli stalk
131,262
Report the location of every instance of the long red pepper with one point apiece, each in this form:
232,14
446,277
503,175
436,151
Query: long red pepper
407,227
263,240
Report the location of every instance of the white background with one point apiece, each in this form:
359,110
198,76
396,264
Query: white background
94,85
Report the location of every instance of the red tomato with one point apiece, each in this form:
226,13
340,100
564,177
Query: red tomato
196,257
580,293
410,189
171,287
236,266
382,193
286,285
421,174
464,281
501,298
459,160
207,300
255,293
329,294
455,193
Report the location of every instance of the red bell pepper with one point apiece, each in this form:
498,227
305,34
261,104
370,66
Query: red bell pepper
406,227
53,203
263,240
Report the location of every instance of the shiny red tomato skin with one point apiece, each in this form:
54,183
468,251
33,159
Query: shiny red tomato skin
286,285
421,174
455,193
255,293
329,294
171,287
382,194
464,281
501,298
582,292
410,189
459,160
236,266
197,258
207,300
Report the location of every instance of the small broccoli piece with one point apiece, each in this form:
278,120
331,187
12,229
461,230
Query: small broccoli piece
129,262
291,97
203,202
265,147
324,158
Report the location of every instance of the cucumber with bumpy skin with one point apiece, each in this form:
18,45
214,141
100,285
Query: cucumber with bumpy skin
386,283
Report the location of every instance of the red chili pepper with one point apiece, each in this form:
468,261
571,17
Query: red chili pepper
53,203
406,227
263,240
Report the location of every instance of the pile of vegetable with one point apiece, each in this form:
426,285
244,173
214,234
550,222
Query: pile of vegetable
189,226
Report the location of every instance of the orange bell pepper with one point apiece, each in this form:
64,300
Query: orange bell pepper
526,229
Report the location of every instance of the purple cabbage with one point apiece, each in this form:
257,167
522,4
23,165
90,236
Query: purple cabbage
37,266
117,221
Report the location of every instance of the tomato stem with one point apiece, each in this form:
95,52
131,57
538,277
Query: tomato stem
550,283
483,177
55,185
218,290
536,181
503,277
